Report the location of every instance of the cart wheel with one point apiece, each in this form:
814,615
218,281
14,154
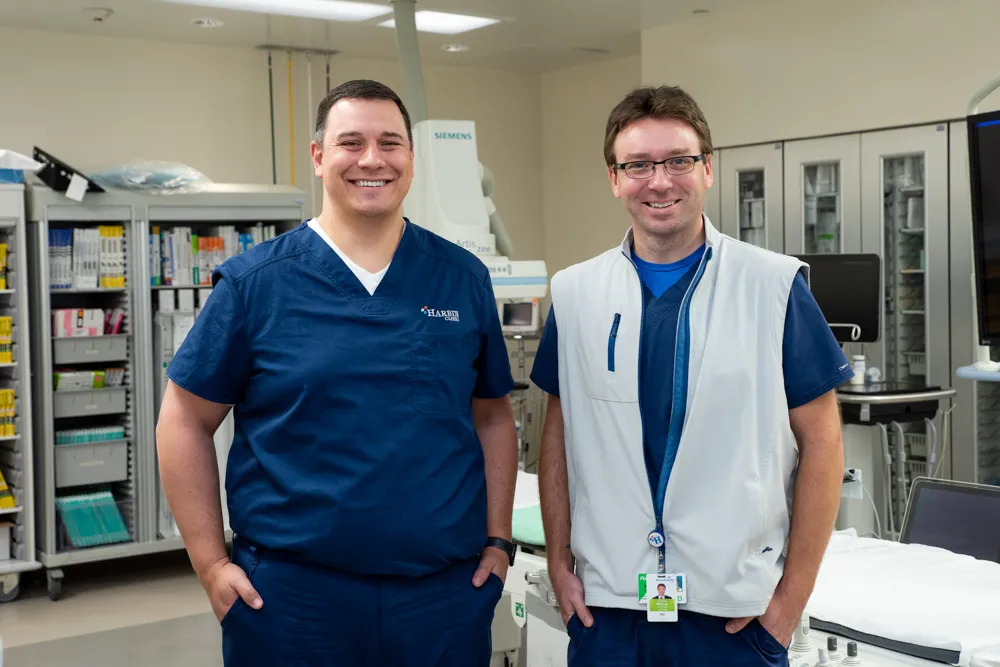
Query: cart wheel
53,580
10,587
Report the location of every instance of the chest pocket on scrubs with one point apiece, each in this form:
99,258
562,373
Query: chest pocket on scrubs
442,371
608,355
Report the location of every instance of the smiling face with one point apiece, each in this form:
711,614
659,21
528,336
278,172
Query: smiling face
365,160
663,205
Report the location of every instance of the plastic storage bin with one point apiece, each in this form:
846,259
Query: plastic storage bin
88,402
89,349
95,463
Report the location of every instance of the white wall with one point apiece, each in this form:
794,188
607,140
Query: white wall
99,101
805,67
582,217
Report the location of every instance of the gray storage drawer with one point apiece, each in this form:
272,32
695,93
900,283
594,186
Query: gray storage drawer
90,348
88,402
91,463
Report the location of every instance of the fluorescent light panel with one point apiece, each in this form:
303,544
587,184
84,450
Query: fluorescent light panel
445,24
333,10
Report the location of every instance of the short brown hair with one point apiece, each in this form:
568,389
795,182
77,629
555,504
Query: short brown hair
359,89
658,102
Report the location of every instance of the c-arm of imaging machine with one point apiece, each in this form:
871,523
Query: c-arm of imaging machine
451,193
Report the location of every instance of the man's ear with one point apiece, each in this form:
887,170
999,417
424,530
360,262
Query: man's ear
615,185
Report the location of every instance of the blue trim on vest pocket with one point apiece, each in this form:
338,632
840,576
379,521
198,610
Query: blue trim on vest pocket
612,337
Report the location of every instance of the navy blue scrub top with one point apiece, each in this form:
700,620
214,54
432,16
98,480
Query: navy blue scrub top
354,444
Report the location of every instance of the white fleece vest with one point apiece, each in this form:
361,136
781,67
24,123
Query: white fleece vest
727,505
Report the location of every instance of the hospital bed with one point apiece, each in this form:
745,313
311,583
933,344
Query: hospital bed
510,618
910,603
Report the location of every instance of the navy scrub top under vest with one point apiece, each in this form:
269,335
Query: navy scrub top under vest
354,444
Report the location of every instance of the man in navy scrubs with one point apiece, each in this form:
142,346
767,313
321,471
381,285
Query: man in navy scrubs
371,477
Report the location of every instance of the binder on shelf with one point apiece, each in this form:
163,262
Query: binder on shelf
7,500
179,256
92,519
8,413
6,339
3,266
90,436
87,258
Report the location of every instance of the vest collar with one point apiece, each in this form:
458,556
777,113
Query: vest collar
712,237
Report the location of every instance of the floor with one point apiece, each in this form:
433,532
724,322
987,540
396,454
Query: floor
146,611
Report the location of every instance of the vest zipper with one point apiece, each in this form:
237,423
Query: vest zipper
612,339
658,496
677,401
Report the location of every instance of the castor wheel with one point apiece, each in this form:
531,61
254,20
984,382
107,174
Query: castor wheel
10,587
53,580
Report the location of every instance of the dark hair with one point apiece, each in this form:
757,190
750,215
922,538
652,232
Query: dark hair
359,89
659,102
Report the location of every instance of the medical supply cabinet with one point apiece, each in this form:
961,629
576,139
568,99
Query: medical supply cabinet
904,194
117,281
17,500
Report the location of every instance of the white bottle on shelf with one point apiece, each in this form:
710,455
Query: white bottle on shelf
858,365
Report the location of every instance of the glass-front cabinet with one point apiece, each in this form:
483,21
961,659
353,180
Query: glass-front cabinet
823,195
751,193
904,177
821,208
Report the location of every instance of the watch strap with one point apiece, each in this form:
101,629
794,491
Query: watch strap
506,546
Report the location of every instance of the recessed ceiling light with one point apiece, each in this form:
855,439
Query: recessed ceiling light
207,23
445,24
455,48
332,10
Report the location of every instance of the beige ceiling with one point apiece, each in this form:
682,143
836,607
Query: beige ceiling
534,35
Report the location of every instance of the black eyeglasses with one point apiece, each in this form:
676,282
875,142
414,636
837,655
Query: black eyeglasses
675,166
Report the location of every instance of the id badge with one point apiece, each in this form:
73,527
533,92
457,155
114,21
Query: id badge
661,598
678,581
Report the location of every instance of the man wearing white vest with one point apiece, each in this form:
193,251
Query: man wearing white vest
692,438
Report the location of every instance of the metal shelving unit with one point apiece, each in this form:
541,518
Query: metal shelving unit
168,310
115,478
16,451
88,458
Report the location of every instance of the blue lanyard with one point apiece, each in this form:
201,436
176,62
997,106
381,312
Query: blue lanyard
656,537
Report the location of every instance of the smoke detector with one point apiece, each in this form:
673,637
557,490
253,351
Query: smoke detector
98,14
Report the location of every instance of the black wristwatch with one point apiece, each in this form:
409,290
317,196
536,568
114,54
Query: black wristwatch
499,543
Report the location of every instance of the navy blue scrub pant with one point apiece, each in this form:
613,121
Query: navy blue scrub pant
315,617
624,638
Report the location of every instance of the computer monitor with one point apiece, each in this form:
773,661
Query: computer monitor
961,517
520,317
984,177
848,289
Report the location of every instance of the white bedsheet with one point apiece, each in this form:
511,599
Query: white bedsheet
525,490
911,593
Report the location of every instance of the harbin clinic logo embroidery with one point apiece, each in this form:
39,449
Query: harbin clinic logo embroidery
449,315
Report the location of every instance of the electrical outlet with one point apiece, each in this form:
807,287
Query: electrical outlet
852,486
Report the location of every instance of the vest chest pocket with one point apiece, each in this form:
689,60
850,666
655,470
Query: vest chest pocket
609,356
442,372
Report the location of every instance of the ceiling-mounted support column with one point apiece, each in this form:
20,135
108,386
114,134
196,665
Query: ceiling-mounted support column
409,59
